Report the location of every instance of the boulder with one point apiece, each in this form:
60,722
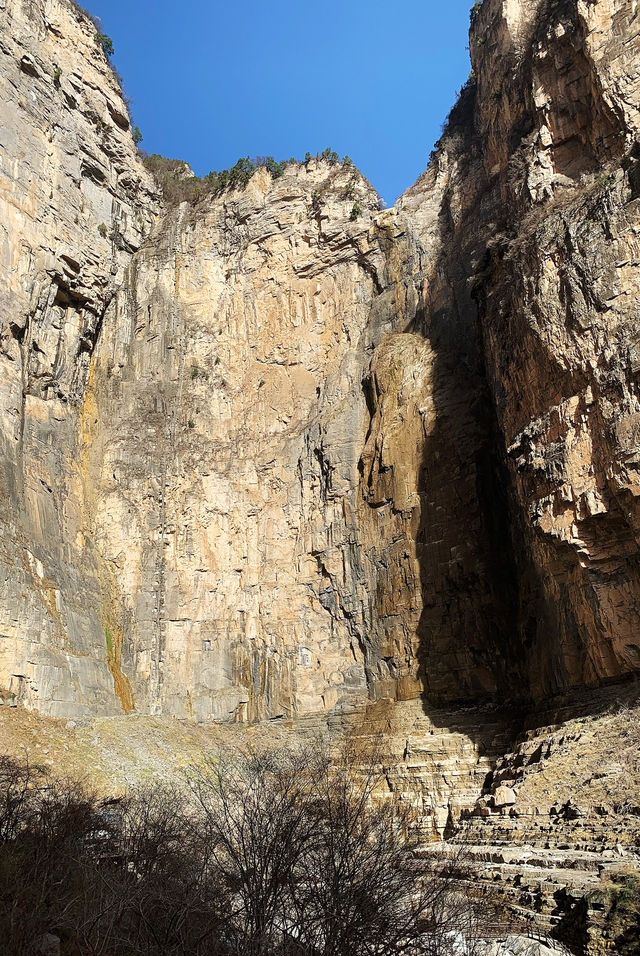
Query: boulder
504,797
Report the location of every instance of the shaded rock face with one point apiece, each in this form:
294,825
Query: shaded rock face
264,457
538,225
558,317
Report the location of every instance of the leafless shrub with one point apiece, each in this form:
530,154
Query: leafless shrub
315,860
291,853
121,876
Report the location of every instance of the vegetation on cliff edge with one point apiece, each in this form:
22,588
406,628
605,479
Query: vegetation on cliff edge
178,184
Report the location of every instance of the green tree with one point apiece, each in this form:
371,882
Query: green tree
106,43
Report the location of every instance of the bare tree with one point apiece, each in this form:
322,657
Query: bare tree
255,825
121,876
287,853
316,862
362,891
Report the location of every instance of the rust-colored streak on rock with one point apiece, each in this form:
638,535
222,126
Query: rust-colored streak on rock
121,685
298,459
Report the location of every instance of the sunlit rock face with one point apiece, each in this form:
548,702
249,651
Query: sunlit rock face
229,418
75,202
279,452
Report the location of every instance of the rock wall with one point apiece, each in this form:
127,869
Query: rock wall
226,417
264,456
75,202
537,262
557,300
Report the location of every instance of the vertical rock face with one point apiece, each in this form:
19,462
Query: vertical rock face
558,312
270,457
75,201
229,415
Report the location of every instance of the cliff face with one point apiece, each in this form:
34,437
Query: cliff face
557,299
75,202
226,417
263,457
537,252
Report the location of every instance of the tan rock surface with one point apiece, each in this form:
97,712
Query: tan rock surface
75,201
224,421
282,461
260,458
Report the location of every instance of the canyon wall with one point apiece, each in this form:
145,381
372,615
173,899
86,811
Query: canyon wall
558,317
75,203
278,452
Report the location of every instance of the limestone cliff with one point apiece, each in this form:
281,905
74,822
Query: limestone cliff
75,202
556,287
263,455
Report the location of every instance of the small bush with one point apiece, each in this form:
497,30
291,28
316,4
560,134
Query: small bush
106,43
269,163
103,229
57,73
356,211
473,13
620,897
350,188
137,135
330,155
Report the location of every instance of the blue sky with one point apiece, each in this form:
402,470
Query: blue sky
213,81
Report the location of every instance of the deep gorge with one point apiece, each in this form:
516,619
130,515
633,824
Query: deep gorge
264,459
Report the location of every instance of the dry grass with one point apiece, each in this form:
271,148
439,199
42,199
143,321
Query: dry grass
111,754
594,761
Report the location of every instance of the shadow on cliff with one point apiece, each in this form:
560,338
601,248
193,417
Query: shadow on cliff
483,610
468,652
483,618
468,649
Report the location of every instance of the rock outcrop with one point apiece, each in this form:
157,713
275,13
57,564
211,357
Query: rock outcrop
558,316
75,203
226,416
278,453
